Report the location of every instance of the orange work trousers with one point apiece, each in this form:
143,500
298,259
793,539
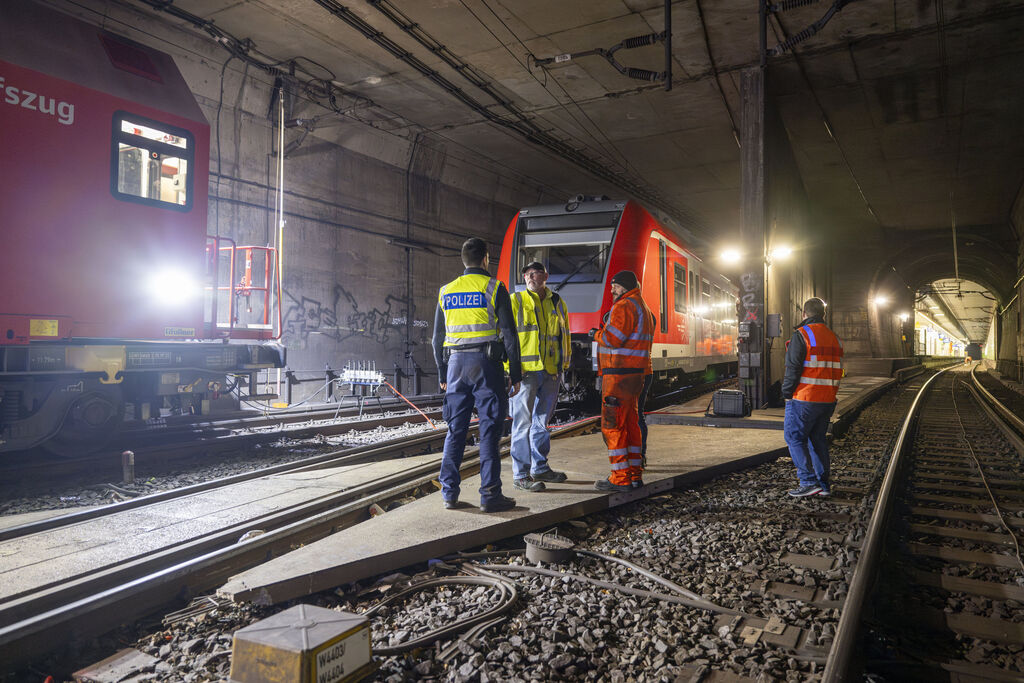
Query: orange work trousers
620,426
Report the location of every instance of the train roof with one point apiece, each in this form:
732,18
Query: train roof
582,206
62,46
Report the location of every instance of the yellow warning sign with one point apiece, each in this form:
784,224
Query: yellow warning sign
38,327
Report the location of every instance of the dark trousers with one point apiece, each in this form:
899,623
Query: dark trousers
473,380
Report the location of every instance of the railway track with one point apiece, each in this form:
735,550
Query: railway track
181,439
96,599
792,586
943,549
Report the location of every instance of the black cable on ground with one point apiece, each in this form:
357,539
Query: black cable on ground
616,587
508,596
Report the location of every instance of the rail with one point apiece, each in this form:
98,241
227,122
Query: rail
1008,415
837,667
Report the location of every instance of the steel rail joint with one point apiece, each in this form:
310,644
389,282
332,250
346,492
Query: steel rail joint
837,666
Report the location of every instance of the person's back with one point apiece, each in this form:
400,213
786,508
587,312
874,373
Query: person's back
813,372
473,311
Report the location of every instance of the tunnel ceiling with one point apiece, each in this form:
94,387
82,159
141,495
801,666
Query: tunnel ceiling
922,97
963,306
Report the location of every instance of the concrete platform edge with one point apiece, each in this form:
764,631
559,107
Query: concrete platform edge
354,571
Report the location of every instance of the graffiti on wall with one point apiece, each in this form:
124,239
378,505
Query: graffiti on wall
341,318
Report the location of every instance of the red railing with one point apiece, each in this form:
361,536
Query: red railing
253,282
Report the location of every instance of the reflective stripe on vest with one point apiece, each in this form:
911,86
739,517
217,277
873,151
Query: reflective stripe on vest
468,303
625,340
545,346
823,367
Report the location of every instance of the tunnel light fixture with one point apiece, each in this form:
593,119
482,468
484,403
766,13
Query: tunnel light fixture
880,300
731,256
780,253
904,316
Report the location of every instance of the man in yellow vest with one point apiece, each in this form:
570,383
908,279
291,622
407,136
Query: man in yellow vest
472,312
814,367
542,321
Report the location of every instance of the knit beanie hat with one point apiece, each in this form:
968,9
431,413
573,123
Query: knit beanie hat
627,279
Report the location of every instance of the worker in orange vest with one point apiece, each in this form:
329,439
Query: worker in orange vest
814,367
624,352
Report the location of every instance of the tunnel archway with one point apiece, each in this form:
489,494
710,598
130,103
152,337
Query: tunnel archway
920,261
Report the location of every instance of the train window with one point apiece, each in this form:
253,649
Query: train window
694,291
679,287
151,162
705,299
579,256
663,280
719,299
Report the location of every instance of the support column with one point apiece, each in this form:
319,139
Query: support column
753,378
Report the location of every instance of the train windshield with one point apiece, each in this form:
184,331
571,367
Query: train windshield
573,248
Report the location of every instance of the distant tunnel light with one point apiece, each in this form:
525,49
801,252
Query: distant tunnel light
173,287
904,317
781,253
880,300
731,256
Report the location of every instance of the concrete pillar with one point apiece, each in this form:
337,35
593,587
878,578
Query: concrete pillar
752,235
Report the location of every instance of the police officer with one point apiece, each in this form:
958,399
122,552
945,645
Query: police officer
814,367
471,310
624,351
542,322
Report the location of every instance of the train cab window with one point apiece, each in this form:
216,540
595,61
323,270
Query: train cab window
679,287
151,162
574,256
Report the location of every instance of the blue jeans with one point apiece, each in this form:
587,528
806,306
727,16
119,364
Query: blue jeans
805,428
532,408
473,381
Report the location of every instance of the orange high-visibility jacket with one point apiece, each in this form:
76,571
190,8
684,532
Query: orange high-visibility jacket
823,365
624,342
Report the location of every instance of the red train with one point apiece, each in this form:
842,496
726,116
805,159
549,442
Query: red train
114,295
585,242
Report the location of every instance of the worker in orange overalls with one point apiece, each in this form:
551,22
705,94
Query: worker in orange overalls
624,353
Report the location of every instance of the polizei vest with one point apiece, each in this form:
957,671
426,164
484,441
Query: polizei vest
469,313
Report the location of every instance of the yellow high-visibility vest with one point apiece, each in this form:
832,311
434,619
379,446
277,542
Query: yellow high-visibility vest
543,328
469,312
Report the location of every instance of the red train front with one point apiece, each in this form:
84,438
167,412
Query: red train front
105,167
586,241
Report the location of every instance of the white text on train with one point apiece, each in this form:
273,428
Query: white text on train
63,111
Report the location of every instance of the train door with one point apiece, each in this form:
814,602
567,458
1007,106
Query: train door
695,312
680,332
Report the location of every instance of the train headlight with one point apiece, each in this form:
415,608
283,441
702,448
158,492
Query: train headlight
173,288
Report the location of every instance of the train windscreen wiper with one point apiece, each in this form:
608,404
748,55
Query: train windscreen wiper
580,267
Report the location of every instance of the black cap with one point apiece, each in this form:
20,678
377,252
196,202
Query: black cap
536,265
626,278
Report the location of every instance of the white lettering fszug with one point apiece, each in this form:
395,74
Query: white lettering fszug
63,111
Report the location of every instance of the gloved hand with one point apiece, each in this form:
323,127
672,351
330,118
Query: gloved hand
592,333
